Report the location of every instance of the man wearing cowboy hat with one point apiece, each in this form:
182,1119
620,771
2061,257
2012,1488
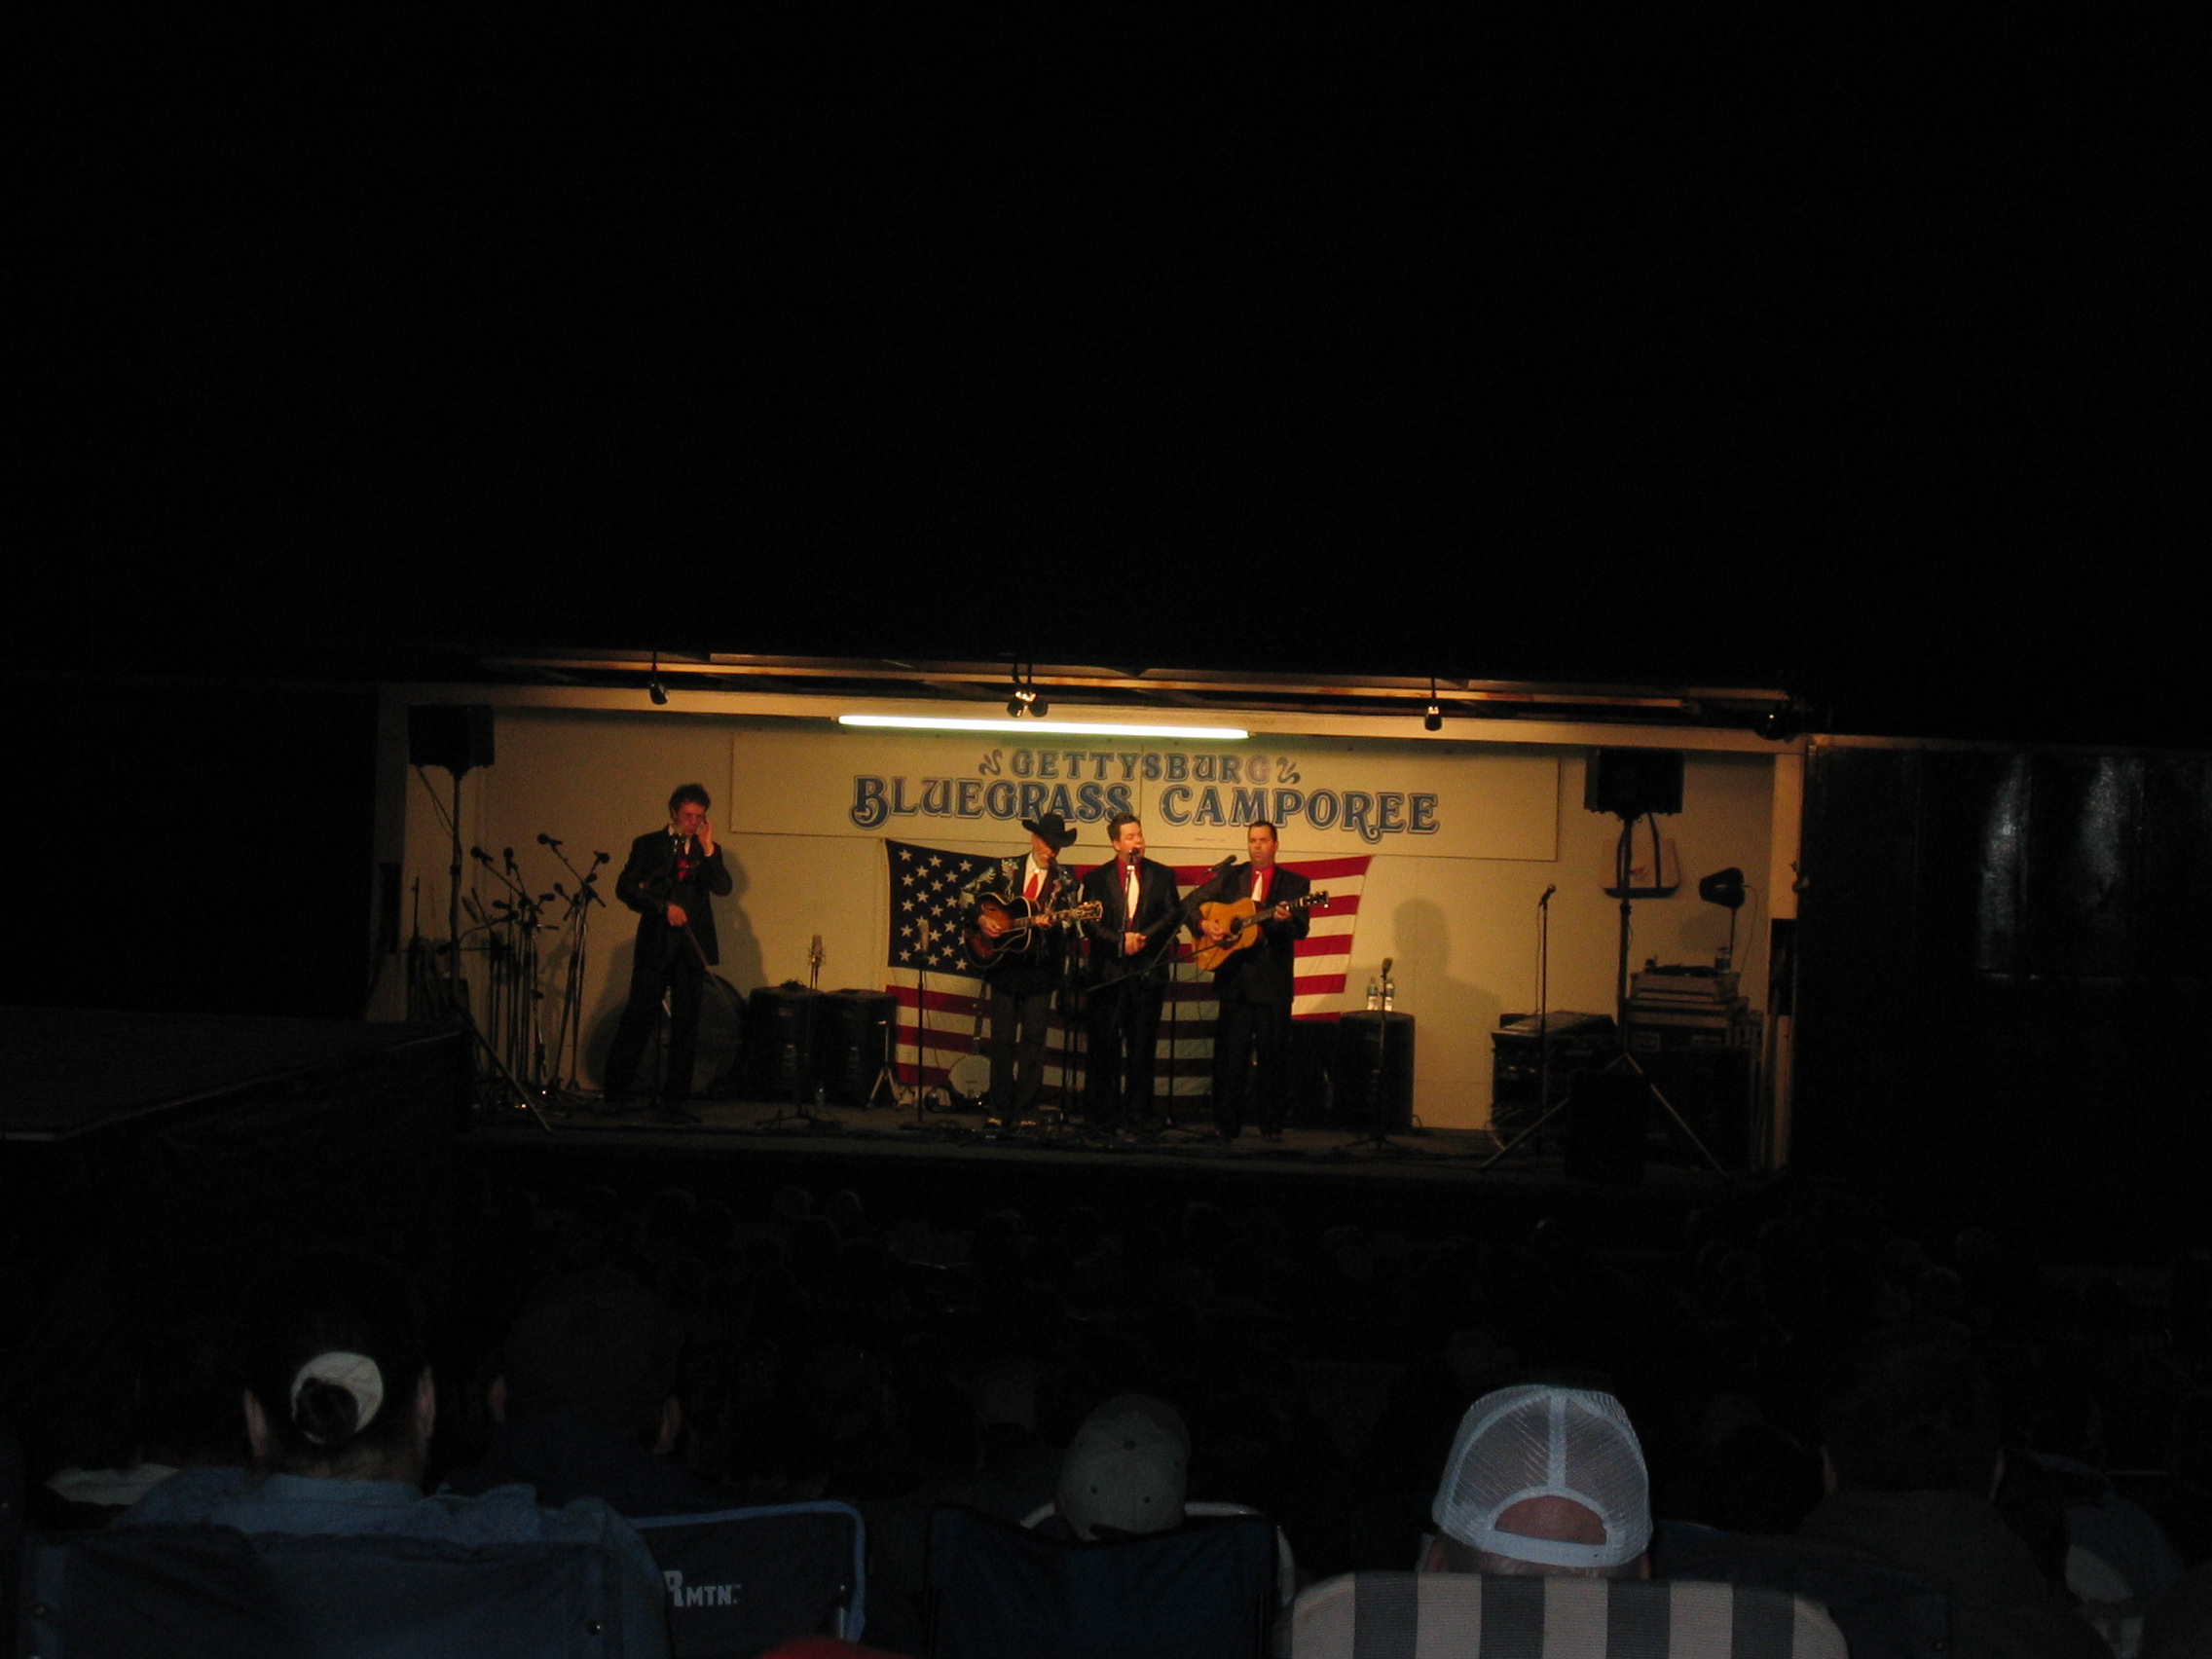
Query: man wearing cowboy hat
1025,969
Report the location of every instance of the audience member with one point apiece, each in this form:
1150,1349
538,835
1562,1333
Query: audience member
587,1406
1126,1472
1543,1480
1912,1465
339,1404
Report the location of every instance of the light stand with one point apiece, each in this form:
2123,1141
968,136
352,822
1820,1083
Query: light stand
1624,862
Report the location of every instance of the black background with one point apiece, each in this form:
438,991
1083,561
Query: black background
1858,360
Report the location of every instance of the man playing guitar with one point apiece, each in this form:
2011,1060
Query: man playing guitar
1022,964
1254,981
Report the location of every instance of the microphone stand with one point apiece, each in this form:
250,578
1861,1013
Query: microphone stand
457,1007
572,1026
1545,1109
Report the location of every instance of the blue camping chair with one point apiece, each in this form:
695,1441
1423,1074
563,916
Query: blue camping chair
1205,1589
212,1593
742,1580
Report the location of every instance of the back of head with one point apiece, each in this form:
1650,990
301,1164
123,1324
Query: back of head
1910,1410
1126,1470
606,1351
334,1350
1545,1479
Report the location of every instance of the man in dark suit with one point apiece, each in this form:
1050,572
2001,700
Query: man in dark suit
671,880
1139,913
1025,965
1254,982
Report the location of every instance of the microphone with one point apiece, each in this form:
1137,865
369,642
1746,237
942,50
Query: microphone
1225,863
1386,961
599,858
545,840
480,855
508,853
1547,898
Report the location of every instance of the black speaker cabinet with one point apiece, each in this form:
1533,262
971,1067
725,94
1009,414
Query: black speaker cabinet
1605,1131
454,735
1631,782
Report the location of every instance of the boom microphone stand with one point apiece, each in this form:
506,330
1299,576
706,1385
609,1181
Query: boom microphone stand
570,1029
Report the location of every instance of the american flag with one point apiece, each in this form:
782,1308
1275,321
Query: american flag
930,884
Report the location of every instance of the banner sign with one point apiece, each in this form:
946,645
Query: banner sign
1334,795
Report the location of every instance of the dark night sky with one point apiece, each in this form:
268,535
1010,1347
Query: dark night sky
1871,367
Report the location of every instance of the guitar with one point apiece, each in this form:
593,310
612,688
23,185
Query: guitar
986,948
1243,926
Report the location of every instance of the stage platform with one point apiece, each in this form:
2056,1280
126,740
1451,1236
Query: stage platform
155,1145
951,1161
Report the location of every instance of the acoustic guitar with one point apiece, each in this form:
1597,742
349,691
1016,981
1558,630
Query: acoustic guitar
986,949
1242,923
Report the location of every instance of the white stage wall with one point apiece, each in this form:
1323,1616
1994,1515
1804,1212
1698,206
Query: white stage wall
1464,838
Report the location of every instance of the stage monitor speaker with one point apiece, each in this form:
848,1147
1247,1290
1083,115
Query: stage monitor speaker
1631,782
1604,1130
454,735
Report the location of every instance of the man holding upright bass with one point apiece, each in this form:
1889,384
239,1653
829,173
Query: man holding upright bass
1250,917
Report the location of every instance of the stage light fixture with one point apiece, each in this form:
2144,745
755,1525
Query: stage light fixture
1434,720
1026,700
653,686
1725,888
1780,723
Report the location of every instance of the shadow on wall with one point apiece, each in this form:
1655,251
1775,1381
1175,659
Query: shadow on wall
1427,991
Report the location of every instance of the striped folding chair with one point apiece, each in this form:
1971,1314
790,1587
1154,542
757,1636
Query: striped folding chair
1459,1615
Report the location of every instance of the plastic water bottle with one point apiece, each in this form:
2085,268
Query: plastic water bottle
1389,995
1373,996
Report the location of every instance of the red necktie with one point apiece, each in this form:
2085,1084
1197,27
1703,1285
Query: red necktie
1036,881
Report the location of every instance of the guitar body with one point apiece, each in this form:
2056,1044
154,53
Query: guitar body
1243,925
987,949
1237,919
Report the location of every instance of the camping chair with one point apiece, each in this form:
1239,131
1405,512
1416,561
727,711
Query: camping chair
1412,1615
741,1580
212,1593
1206,1589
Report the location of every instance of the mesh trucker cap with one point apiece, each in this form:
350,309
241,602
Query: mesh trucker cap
1537,1442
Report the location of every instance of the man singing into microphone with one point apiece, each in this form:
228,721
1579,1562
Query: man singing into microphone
671,880
1138,916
